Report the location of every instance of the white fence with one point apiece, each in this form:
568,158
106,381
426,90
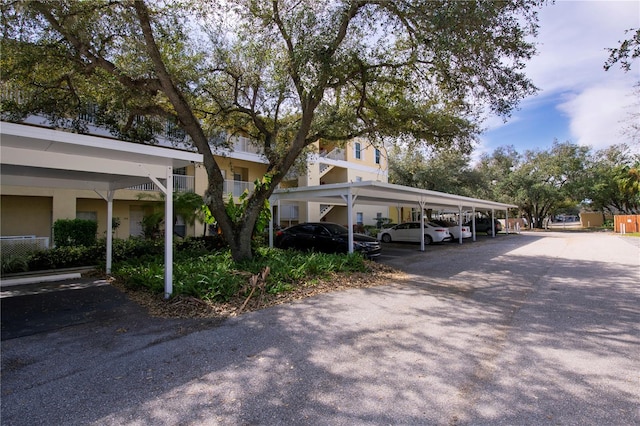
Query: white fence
20,245
181,183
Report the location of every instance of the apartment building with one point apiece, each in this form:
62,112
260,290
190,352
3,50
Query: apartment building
354,161
32,211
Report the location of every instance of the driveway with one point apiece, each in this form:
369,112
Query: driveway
537,328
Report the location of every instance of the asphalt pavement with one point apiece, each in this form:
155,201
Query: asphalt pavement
529,329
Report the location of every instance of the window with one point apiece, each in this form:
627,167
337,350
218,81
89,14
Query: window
180,227
377,156
358,178
359,218
358,151
87,216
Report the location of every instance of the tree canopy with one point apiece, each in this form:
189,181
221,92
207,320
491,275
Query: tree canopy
286,73
541,182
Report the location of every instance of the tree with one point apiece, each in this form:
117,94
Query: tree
287,73
614,181
539,182
626,53
444,171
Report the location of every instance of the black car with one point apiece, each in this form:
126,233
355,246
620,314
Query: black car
325,237
483,224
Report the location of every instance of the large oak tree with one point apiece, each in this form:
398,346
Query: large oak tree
284,72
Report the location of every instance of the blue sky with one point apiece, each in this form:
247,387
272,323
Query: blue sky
578,101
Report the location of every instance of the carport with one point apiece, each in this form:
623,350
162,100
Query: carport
386,194
44,157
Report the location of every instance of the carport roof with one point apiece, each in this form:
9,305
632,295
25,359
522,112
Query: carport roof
45,157
49,158
380,193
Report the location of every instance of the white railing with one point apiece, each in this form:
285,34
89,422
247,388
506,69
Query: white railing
324,209
325,168
181,183
336,154
237,187
244,144
19,245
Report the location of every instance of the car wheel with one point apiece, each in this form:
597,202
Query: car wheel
386,238
428,239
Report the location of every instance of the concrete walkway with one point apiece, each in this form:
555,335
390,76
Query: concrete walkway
530,329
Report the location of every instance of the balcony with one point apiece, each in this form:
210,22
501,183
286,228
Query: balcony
338,154
181,183
237,187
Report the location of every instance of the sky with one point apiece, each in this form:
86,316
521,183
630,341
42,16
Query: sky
578,101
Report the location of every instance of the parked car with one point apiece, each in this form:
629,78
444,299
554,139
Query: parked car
325,237
454,229
410,232
483,224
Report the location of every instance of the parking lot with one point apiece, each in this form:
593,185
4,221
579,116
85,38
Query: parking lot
536,328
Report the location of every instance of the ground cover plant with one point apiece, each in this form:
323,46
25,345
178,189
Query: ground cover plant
207,282
216,277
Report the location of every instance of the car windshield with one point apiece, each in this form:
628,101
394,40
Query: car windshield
335,229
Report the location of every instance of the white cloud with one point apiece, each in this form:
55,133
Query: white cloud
573,39
599,114
574,88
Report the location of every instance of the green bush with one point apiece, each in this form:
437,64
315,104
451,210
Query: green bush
202,244
215,276
62,257
74,232
132,248
15,263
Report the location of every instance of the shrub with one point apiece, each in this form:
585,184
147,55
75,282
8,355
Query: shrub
74,232
62,257
215,276
14,263
207,244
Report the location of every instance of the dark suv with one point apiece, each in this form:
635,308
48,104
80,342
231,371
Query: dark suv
483,224
325,237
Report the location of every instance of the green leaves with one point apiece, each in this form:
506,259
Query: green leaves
215,276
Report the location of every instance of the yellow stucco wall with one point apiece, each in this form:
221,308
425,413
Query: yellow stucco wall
24,215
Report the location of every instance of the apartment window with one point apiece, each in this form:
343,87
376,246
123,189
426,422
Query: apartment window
359,218
377,156
358,178
358,151
87,216
180,227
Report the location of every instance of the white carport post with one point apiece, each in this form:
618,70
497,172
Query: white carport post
506,221
168,230
493,225
109,200
473,223
109,230
350,199
460,224
271,220
422,205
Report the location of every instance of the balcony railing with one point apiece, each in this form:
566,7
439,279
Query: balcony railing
237,187
181,183
244,144
336,154
186,184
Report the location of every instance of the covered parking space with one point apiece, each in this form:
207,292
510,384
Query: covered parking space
390,195
48,158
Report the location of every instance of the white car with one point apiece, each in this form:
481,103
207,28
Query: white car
454,229
410,232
